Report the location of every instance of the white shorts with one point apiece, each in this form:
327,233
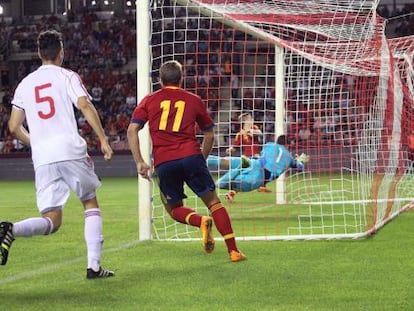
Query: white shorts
55,181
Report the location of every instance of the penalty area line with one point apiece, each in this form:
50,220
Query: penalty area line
52,267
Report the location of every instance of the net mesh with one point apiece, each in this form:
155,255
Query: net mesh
347,99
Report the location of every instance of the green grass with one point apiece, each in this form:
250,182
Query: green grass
48,273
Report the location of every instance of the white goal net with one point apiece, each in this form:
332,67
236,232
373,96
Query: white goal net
322,73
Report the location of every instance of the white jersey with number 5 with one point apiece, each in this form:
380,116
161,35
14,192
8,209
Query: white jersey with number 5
48,96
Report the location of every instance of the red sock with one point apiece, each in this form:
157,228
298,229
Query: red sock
223,224
186,215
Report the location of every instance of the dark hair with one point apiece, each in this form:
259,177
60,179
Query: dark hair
49,43
281,140
171,73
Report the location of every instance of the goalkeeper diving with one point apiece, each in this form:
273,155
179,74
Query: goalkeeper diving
247,174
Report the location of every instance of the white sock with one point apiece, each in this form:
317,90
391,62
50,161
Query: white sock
33,226
93,237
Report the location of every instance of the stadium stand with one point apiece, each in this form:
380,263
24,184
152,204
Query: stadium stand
102,49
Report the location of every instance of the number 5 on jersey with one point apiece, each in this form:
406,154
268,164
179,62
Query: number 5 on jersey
45,99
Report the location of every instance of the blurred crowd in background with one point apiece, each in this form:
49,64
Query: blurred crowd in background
102,49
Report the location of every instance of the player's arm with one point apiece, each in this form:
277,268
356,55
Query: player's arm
92,117
229,150
208,141
236,143
143,168
255,130
16,125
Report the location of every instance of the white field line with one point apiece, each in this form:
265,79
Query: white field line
51,267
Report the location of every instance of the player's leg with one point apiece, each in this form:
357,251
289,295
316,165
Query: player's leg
93,235
51,194
225,181
223,224
6,240
229,195
240,179
170,178
216,162
243,180
253,177
267,178
199,179
231,182
240,182
80,176
230,179
170,181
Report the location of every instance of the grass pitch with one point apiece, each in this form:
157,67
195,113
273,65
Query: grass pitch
48,273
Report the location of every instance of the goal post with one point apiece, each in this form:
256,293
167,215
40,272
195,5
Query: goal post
280,115
144,87
321,72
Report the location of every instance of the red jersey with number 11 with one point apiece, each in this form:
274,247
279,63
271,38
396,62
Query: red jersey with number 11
172,114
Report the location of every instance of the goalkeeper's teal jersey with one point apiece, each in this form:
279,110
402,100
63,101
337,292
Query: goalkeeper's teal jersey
246,179
277,159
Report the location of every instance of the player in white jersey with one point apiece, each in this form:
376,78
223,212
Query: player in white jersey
45,99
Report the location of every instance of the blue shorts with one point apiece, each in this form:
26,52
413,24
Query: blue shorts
192,170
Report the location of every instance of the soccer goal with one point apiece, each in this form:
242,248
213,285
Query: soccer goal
321,72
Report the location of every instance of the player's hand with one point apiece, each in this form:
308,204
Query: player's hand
302,158
107,151
144,170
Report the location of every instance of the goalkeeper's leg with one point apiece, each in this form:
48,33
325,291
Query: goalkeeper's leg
226,163
225,181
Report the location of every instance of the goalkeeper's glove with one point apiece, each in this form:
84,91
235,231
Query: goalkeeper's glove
300,161
302,158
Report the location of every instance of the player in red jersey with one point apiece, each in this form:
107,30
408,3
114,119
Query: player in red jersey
248,138
172,114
